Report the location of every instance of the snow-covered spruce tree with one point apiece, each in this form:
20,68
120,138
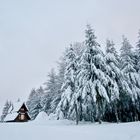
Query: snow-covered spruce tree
51,97
91,96
69,85
112,60
6,110
119,107
98,82
61,64
137,54
34,102
132,78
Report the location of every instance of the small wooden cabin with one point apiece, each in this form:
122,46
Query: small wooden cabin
20,115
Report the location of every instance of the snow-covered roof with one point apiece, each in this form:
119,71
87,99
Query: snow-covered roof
10,116
17,106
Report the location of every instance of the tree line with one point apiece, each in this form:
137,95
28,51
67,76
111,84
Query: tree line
92,85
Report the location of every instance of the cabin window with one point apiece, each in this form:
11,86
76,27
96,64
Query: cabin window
22,109
22,117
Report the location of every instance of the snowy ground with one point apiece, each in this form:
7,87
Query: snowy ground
66,130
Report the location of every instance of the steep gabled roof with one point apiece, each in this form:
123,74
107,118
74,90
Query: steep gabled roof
23,106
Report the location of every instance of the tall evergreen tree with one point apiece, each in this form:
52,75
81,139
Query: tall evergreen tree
69,85
112,59
51,96
34,102
90,96
131,76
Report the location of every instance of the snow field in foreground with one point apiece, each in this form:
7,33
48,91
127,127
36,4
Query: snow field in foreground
67,130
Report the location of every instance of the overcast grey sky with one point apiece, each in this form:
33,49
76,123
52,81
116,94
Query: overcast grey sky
34,33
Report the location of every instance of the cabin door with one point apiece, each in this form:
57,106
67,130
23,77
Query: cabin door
22,117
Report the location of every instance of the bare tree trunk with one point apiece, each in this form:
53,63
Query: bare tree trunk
77,116
99,113
116,113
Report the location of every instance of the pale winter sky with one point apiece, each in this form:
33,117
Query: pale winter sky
34,33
